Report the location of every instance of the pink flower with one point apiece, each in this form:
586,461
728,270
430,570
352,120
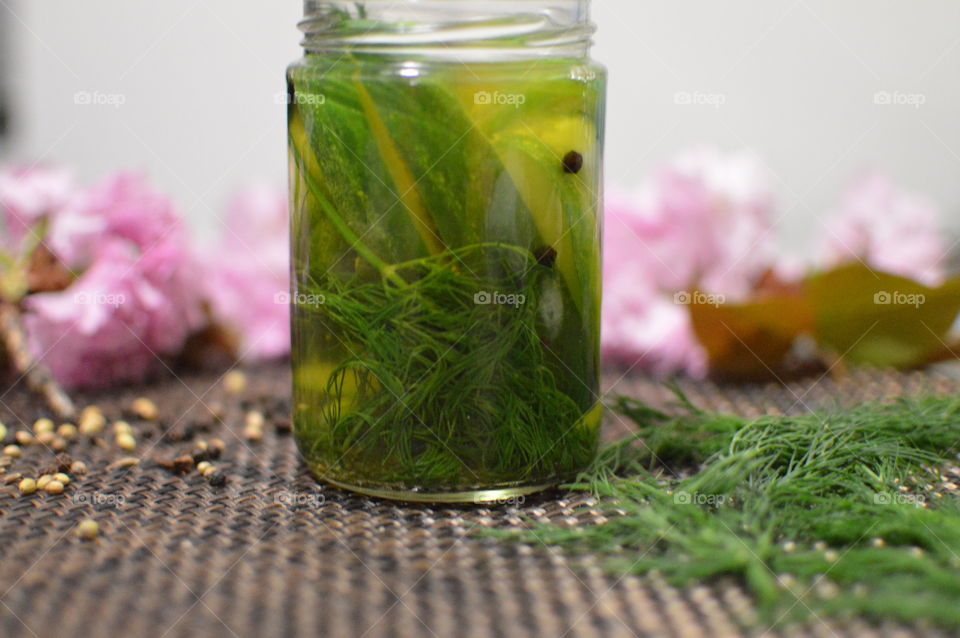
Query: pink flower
889,229
246,280
28,194
118,319
702,222
643,327
136,298
123,206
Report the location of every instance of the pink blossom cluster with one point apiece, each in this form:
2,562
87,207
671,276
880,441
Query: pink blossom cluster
138,289
705,222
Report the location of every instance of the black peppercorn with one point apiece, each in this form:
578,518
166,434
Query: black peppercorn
217,478
546,256
572,162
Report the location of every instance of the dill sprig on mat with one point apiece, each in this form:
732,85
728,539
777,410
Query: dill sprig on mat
842,513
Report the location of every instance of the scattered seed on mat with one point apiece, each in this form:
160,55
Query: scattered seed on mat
144,408
91,421
27,486
125,441
54,487
234,382
217,478
46,438
127,461
42,425
67,430
88,529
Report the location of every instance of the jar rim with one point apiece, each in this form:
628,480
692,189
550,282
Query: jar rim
450,28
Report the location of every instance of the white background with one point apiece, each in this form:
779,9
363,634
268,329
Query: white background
797,80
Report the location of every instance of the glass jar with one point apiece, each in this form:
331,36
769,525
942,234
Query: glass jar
445,165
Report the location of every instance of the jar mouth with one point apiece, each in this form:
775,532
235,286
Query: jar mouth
450,28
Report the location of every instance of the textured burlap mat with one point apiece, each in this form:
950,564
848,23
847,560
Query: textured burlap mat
271,553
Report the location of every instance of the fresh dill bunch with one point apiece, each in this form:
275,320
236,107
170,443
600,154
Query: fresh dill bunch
827,513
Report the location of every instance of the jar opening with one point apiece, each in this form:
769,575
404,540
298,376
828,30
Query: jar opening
458,29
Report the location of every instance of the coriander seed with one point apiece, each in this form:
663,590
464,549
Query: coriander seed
63,478
144,408
27,486
54,488
42,425
125,441
124,462
254,419
67,430
88,529
234,382
91,421
43,481
13,451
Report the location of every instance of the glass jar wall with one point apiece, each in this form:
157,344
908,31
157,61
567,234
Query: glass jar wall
445,162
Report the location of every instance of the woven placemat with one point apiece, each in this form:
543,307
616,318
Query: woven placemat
272,553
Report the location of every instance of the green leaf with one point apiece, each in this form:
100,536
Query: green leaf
750,340
876,318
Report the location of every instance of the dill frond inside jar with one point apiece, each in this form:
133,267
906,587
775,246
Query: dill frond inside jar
445,162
